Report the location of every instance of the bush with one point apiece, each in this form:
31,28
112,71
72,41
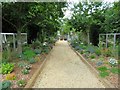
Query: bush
37,51
25,71
46,49
21,64
106,52
7,68
29,54
92,56
21,83
99,63
36,44
91,49
10,76
6,85
98,51
32,60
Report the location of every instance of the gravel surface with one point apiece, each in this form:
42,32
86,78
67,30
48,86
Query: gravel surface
64,69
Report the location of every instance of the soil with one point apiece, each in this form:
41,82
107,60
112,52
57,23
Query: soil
112,78
18,73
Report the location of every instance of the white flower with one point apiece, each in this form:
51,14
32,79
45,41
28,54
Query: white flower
45,43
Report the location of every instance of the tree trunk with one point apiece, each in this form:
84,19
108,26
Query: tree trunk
19,48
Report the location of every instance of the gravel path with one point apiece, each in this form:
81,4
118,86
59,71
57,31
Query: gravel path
64,69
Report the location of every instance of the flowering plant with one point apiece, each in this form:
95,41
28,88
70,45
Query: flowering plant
113,61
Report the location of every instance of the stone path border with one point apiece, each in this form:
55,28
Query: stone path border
31,82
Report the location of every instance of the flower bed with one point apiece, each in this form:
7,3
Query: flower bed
101,59
16,73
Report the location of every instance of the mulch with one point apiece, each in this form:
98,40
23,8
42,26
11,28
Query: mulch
20,76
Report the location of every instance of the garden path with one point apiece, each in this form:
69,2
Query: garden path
64,69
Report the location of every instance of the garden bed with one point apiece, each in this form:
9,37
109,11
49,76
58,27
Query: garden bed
19,75
101,64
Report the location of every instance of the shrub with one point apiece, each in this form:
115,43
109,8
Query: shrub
101,58
46,49
6,85
99,63
98,51
106,52
104,74
21,83
36,44
92,56
25,71
103,69
91,49
32,60
37,51
10,76
7,68
21,64
21,56
29,54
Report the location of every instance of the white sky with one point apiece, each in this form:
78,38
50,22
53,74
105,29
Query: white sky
68,13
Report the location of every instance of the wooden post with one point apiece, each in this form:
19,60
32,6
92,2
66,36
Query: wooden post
114,40
88,38
106,40
99,40
14,46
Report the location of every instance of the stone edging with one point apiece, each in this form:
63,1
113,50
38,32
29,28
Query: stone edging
31,82
106,83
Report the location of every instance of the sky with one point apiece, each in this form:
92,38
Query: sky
68,13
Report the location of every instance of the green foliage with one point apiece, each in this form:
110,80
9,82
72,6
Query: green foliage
115,70
7,68
37,51
45,49
104,74
29,54
106,52
0,70
98,51
21,64
28,67
6,85
36,44
103,69
32,60
90,49
10,76
92,56
21,83
25,71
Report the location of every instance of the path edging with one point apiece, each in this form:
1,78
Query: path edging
31,82
106,83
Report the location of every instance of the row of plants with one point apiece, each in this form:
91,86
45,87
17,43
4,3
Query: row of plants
25,61
103,59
